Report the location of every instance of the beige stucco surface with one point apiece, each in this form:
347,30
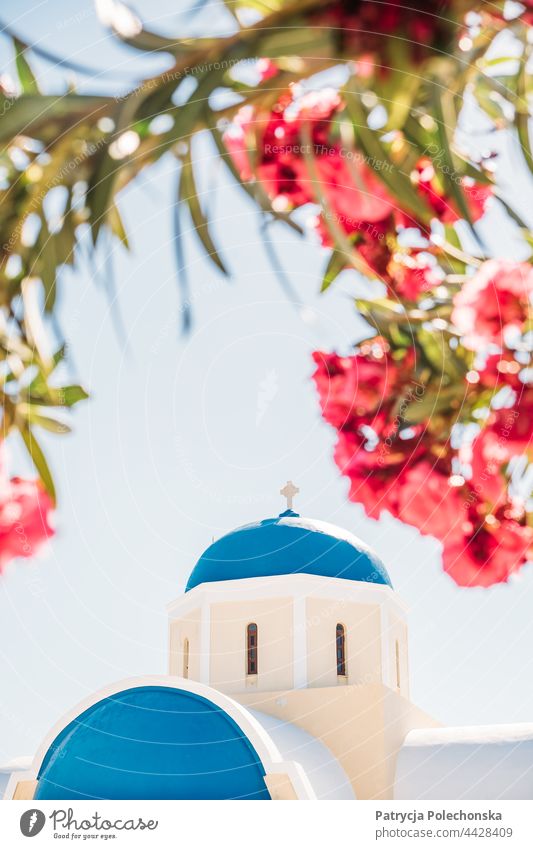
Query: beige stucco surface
187,627
25,790
363,641
397,633
274,620
364,727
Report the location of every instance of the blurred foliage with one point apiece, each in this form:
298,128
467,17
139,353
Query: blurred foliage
85,149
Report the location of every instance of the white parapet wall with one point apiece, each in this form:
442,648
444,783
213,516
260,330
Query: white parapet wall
481,762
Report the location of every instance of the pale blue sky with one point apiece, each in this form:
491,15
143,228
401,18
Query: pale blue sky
184,439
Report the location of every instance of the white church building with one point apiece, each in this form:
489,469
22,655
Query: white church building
288,678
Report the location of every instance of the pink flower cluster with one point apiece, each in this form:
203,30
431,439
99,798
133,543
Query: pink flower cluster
296,153
25,518
390,442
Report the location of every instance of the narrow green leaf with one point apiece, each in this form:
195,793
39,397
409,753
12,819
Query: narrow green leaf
44,117
101,190
39,461
65,239
336,263
47,422
254,191
511,212
382,314
71,395
26,76
522,111
46,265
395,180
189,196
117,226
338,235
449,171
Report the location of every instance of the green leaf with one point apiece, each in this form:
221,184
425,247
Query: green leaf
45,421
340,239
452,184
46,117
440,356
26,76
522,111
71,395
434,348
395,180
254,191
65,239
511,213
101,190
46,265
382,314
39,460
336,263
297,41
117,226
188,194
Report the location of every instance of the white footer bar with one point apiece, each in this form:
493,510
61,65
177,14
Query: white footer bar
258,825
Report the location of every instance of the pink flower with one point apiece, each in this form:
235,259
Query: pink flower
266,69
373,488
445,208
377,464
355,193
362,26
353,388
487,456
236,141
25,512
513,425
412,277
427,501
487,552
501,370
497,297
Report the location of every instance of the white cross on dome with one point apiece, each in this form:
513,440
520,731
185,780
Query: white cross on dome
289,491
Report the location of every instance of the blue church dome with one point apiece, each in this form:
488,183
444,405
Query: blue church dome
152,742
287,545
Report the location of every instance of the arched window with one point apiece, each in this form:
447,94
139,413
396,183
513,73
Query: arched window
185,658
340,641
251,649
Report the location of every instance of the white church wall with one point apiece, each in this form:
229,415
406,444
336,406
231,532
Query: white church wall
364,726
349,720
483,762
397,637
325,774
274,620
363,641
183,631
296,636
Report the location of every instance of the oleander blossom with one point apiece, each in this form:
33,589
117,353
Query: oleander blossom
427,500
25,518
488,551
296,153
391,447
371,30
427,179
496,299
351,389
